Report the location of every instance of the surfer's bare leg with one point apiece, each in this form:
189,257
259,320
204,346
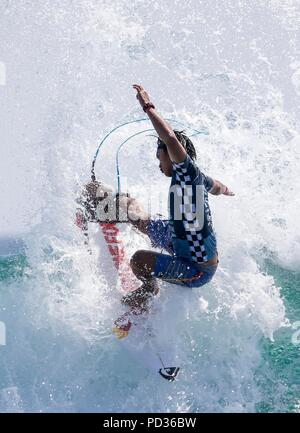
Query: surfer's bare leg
142,264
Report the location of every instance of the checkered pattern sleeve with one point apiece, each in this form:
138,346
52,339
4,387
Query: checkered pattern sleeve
188,172
208,182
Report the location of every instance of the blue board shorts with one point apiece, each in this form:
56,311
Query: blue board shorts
175,269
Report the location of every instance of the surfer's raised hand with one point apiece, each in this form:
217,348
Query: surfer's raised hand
141,95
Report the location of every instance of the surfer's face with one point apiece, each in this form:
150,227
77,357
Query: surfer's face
165,164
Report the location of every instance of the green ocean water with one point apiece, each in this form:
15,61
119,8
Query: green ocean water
282,385
12,267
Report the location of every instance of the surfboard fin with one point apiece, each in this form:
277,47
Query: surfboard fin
169,373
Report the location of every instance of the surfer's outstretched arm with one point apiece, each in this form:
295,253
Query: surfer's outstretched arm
176,151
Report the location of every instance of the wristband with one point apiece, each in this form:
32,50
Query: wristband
147,106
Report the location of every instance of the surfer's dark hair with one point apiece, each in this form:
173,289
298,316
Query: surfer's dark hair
184,140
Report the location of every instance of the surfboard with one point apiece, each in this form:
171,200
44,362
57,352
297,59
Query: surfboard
132,328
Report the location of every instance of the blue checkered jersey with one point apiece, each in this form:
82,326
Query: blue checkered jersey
190,219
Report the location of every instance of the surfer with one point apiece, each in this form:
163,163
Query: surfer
188,237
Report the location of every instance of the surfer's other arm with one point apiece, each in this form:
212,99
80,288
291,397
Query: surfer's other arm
136,214
176,151
96,197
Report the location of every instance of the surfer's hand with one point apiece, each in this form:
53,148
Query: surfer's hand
97,189
228,192
219,188
90,189
141,95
